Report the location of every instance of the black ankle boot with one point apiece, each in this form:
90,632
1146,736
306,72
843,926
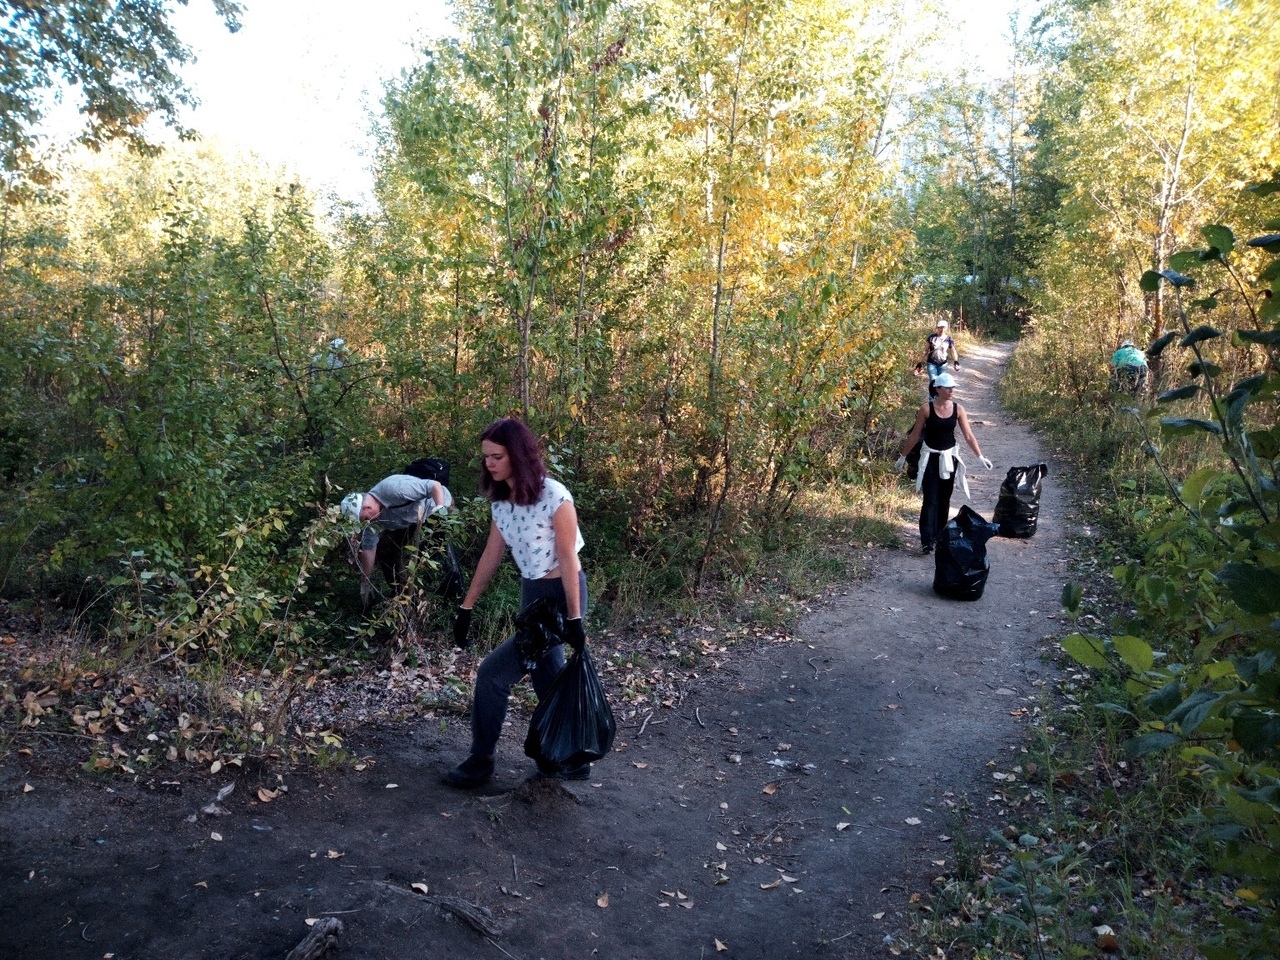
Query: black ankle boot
470,773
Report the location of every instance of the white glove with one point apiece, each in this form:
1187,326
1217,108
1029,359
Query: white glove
985,462
901,464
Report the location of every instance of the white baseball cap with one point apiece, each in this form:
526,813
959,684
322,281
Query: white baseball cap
944,379
942,323
351,505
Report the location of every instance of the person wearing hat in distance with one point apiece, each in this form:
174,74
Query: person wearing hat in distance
1129,368
938,348
940,463
393,503
335,358
533,515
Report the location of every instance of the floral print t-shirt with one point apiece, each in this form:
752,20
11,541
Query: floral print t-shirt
528,531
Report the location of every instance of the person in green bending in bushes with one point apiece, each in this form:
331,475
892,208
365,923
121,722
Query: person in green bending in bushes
1129,368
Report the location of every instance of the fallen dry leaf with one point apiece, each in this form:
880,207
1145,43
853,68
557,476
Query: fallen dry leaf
878,916
843,826
720,947
420,887
770,789
912,821
203,883
602,901
787,879
638,766
688,904
667,893
27,788
266,796
215,836
215,766
771,886
335,855
392,786
720,846
1107,941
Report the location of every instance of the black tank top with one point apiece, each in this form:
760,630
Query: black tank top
940,434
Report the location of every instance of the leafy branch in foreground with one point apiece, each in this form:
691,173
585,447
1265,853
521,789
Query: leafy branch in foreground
1200,660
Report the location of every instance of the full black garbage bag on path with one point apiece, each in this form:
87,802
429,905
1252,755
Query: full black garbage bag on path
573,724
961,565
1018,508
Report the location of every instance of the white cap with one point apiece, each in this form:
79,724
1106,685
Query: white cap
351,505
942,323
337,343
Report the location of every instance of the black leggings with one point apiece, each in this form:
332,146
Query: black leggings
935,508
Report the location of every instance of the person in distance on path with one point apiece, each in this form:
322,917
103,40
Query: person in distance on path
938,349
534,516
940,463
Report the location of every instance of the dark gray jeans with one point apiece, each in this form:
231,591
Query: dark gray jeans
502,669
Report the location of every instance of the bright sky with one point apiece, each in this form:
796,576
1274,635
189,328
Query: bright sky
300,83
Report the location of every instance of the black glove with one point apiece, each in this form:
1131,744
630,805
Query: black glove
574,634
461,627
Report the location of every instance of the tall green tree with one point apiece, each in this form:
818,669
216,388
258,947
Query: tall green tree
120,59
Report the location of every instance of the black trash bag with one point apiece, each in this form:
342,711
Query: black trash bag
450,586
960,560
539,627
573,724
1018,508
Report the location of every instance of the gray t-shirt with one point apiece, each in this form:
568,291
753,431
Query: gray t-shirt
405,501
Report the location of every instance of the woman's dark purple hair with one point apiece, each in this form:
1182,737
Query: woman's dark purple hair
527,468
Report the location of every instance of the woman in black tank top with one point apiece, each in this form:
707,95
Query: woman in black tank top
936,423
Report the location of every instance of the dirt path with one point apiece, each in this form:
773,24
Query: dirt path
787,806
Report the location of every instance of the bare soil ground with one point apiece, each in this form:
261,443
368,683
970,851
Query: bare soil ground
794,801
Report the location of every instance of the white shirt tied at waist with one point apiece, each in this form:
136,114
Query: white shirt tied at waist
948,462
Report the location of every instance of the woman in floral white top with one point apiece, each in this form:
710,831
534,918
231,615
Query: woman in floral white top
533,516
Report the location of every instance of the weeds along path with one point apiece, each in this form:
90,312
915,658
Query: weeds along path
788,804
